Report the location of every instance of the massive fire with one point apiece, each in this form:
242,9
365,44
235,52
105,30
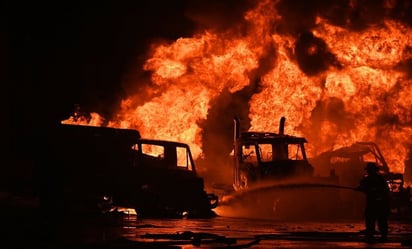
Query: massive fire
334,85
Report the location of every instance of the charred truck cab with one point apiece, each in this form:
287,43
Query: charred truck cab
261,156
85,165
349,163
272,178
168,182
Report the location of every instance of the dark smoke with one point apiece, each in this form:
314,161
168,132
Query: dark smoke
313,55
217,135
216,14
300,15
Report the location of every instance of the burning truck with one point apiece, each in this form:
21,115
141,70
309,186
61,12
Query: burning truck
273,176
348,162
260,156
272,170
85,168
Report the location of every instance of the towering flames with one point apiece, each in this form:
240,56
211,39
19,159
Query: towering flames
334,85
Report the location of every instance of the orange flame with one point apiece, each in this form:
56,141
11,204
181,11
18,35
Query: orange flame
361,95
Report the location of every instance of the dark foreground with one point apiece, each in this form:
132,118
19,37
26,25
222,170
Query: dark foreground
123,229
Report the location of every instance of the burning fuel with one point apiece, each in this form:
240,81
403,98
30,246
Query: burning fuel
339,81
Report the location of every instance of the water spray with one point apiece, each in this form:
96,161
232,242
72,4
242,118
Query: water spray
266,188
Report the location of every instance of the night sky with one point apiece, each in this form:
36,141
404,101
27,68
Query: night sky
78,52
62,53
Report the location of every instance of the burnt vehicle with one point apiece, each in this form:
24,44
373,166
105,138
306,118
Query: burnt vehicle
85,168
261,156
349,163
271,172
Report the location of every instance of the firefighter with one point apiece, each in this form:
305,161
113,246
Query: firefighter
377,207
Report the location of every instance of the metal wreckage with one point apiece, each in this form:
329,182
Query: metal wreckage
349,162
89,169
273,169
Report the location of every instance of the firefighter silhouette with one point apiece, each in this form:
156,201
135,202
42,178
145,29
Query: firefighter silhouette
377,207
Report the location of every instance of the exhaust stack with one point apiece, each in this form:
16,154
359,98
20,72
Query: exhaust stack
236,130
236,153
282,126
